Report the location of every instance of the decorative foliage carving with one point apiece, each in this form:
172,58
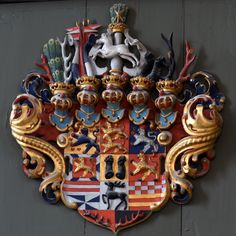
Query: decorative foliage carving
202,123
25,121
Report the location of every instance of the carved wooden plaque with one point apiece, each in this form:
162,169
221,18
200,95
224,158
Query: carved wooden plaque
124,130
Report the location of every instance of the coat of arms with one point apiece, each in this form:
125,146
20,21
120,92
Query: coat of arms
124,130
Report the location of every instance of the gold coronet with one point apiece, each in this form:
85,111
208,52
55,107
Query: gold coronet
110,95
169,86
61,87
87,81
118,27
141,82
87,97
138,97
115,80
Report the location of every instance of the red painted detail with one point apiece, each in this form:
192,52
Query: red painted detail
82,182
189,58
152,159
90,162
47,131
177,129
81,34
123,125
44,65
81,190
105,218
146,200
137,216
139,208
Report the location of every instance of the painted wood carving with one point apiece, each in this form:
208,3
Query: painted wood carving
124,130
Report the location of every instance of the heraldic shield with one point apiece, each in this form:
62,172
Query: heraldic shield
124,132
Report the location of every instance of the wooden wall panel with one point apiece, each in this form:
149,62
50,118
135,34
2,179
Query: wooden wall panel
24,28
210,27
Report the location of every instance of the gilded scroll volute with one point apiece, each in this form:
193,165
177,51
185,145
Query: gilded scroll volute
202,122
25,120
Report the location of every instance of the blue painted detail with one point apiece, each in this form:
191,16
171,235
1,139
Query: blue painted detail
79,204
36,86
166,118
49,195
70,167
198,86
84,138
61,119
74,155
79,197
74,72
27,102
139,114
181,198
113,112
93,179
96,199
98,166
87,115
74,179
45,95
91,41
88,207
94,155
137,147
85,201
215,94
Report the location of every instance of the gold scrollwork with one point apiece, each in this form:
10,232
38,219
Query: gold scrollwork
25,120
203,126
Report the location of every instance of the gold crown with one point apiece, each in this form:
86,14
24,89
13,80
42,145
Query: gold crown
138,97
141,82
169,86
117,27
61,87
115,80
112,95
87,97
86,81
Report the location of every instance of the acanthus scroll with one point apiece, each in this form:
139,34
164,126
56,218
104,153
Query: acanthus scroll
25,120
203,123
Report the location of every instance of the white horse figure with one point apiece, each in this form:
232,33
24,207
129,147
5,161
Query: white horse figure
148,141
108,50
90,65
129,41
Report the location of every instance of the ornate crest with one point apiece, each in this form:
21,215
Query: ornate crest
125,134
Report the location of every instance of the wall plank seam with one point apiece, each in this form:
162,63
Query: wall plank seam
183,54
85,16
26,1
